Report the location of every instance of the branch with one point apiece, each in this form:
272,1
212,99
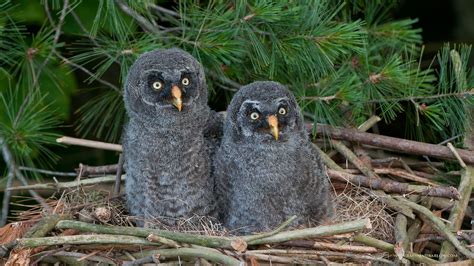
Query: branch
165,10
392,203
402,242
118,175
324,230
70,184
85,70
46,172
314,254
208,254
6,199
11,164
465,94
87,170
331,246
369,241
214,241
142,21
90,143
438,226
390,186
84,240
391,143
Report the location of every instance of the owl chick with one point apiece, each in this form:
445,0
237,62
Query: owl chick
166,146
266,168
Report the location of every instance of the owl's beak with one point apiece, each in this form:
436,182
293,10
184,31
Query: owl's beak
273,123
177,101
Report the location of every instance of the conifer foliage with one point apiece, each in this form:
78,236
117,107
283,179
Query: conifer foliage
344,60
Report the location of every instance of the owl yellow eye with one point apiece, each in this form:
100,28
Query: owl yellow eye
254,116
157,85
282,111
185,81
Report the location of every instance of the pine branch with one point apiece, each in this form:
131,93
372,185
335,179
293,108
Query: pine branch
142,21
6,198
85,70
11,164
57,34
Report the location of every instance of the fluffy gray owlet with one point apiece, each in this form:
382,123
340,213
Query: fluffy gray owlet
167,143
266,168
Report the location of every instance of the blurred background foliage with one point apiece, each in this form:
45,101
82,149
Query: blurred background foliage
63,64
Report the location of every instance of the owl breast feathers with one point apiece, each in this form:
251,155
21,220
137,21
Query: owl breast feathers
167,147
266,168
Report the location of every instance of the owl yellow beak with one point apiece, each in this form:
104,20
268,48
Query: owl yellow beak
177,101
273,123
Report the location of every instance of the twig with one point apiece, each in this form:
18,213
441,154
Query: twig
459,209
165,10
465,94
45,225
349,155
142,261
142,21
82,256
315,232
274,232
277,259
369,241
390,186
400,173
315,254
118,175
438,225
6,199
207,254
57,34
90,143
84,240
87,170
46,172
162,240
10,162
369,123
85,70
70,184
331,246
456,154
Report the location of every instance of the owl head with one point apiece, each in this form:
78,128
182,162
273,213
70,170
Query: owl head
263,111
165,81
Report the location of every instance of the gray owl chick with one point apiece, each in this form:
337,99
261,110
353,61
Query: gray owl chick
266,168
166,148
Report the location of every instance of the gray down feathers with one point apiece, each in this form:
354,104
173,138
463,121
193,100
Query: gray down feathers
168,152
176,169
260,181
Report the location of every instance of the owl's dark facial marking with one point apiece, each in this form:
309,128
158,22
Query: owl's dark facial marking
170,90
266,120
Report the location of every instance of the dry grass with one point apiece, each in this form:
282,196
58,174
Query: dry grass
355,203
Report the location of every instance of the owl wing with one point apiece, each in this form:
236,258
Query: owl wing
214,131
321,204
